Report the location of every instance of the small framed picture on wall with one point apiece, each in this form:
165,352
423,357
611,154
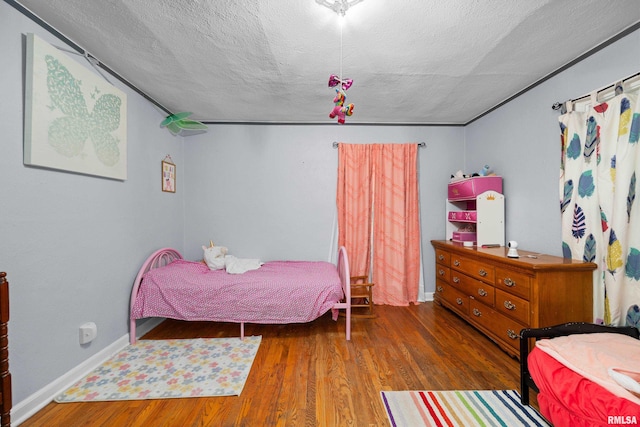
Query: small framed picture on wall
168,175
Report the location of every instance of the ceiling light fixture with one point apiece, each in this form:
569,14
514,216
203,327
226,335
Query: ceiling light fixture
339,6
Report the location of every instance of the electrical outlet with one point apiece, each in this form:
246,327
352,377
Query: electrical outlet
88,332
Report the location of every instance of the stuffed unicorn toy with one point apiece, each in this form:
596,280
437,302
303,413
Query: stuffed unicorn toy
340,110
214,256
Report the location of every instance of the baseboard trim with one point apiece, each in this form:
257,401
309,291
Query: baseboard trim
28,407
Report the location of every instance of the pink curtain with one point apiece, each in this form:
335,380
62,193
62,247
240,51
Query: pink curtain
396,231
378,217
354,205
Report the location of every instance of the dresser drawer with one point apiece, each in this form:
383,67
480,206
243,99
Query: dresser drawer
457,279
442,272
500,326
473,268
456,299
442,257
481,291
512,306
514,282
472,287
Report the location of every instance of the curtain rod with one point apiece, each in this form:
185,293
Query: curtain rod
420,144
560,105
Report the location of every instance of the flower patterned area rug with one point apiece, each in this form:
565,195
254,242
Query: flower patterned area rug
163,369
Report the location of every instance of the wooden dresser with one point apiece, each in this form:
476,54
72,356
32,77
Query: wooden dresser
5,376
500,296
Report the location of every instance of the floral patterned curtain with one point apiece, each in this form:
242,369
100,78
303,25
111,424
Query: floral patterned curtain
600,216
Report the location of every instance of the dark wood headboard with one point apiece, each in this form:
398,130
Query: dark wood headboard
5,376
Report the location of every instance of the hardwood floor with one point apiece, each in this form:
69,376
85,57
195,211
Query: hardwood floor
309,375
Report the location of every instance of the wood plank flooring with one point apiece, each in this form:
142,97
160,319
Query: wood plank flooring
309,375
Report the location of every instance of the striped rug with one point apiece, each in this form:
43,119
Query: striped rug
464,408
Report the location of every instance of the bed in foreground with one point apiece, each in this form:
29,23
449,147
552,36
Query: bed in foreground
572,372
279,292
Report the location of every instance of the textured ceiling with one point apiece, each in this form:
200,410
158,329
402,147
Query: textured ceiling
412,61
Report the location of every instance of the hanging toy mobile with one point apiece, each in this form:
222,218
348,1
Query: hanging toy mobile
335,81
340,110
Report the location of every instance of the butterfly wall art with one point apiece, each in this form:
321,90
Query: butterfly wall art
74,119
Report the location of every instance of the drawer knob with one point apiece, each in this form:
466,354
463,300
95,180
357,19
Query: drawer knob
456,279
482,272
456,262
510,283
441,272
440,289
512,334
477,312
509,305
459,301
441,257
482,292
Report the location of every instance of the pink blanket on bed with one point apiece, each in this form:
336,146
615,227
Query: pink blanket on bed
277,292
592,355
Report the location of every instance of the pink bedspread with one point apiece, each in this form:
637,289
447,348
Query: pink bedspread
277,292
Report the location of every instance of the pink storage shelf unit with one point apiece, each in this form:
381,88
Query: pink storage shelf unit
475,211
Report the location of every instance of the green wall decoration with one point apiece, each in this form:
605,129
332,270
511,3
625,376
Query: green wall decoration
179,123
74,119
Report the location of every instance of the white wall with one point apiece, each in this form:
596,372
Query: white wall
521,141
72,244
269,191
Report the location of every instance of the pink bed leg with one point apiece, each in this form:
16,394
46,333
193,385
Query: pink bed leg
241,330
132,331
345,278
348,323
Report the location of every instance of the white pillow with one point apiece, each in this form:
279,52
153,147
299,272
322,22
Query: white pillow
241,265
626,379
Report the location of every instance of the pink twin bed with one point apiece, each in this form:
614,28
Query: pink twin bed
279,292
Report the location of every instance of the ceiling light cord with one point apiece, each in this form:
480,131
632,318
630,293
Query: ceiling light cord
341,75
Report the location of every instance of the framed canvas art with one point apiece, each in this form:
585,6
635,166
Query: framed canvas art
168,176
75,120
